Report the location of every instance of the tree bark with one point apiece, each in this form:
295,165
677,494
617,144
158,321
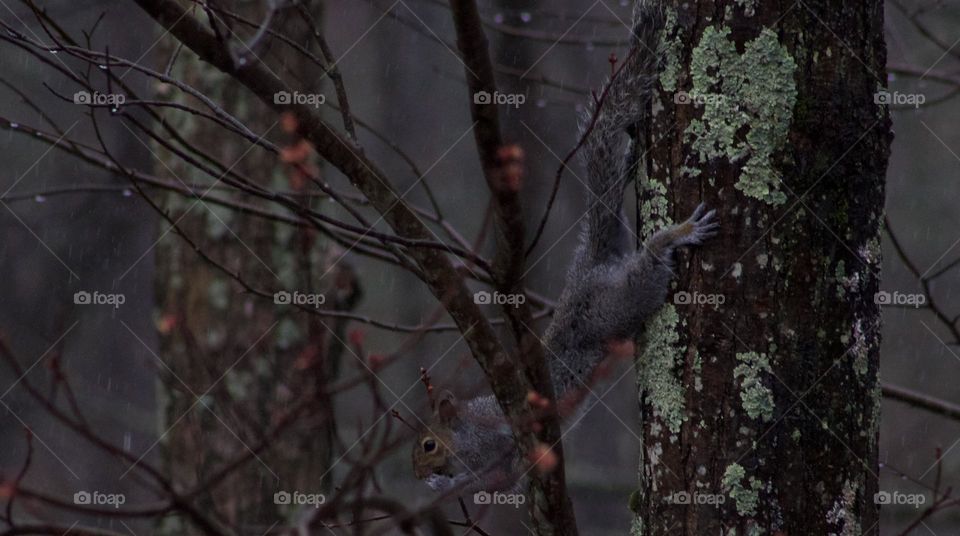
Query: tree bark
758,381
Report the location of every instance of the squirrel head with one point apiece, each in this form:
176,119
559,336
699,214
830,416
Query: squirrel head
434,446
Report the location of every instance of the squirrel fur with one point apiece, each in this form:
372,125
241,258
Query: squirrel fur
610,291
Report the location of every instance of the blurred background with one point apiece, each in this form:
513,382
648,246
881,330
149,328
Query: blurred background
187,361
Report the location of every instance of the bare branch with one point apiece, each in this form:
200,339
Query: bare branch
922,401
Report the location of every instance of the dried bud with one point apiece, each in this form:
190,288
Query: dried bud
537,400
510,153
377,361
289,122
166,323
511,160
356,337
543,458
308,358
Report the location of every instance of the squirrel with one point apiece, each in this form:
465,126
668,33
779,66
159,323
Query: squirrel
610,291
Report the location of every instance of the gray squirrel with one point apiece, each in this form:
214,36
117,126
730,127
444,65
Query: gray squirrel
610,291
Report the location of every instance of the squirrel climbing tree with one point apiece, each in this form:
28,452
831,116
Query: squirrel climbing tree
758,381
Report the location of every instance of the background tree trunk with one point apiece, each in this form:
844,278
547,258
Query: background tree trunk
282,355
758,382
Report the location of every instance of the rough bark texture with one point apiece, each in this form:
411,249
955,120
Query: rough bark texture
767,403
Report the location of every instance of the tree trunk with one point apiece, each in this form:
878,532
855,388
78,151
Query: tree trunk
758,381
247,378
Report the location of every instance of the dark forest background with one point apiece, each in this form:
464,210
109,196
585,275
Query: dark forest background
409,86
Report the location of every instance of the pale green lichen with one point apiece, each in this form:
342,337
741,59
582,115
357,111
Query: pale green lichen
654,206
658,377
840,276
671,47
746,497
748,102
756,398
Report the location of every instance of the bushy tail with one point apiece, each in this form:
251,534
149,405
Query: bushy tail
604,154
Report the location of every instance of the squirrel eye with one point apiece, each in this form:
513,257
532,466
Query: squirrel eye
429,445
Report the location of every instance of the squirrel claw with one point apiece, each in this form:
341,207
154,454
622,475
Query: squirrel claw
701,227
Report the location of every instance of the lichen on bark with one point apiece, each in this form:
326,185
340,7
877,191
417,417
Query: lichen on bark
748,102
657,375
745,495
755,397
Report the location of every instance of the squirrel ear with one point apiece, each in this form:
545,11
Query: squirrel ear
446,406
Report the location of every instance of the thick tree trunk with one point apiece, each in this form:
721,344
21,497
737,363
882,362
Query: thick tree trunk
282,355
758,382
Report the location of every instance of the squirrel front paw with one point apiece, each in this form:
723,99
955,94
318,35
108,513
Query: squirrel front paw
439,483
698,228
443,483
